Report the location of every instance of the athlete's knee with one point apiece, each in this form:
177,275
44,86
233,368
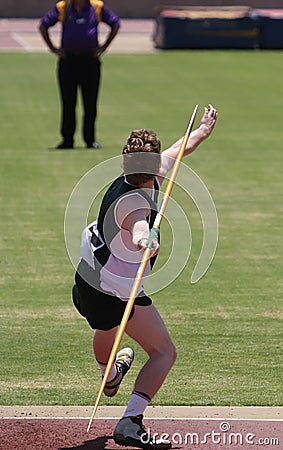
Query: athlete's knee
168,352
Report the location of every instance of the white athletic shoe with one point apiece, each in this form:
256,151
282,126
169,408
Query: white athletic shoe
130,431
124,360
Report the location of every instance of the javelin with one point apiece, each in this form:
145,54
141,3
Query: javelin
146,255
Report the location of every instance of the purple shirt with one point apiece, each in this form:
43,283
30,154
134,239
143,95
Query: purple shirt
80,30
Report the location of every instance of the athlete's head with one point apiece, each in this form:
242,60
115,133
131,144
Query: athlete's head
141,156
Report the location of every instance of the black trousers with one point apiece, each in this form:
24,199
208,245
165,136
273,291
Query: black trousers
78,71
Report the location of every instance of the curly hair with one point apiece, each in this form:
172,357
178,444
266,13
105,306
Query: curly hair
142,155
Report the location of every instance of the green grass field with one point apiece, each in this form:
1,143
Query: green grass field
228,327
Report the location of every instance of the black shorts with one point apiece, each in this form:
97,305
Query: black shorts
102,311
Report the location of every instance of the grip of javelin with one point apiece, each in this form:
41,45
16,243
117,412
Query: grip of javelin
146,255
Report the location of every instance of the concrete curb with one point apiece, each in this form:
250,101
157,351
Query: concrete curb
154,412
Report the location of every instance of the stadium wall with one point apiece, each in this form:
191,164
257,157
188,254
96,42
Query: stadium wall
134,9
222,28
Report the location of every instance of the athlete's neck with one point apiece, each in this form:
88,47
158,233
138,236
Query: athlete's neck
132,179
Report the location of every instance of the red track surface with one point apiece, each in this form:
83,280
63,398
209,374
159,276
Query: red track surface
63,434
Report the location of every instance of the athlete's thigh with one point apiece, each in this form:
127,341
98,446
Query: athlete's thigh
147,328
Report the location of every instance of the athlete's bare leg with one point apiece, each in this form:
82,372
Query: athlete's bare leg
102,344
147,328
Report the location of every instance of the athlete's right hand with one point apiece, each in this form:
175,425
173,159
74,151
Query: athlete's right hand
142,245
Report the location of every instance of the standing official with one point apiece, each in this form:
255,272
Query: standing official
79,63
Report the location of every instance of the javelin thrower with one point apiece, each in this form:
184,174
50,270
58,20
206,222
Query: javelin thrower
118,250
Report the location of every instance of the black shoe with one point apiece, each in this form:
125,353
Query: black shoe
64,145
95,145
130,431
